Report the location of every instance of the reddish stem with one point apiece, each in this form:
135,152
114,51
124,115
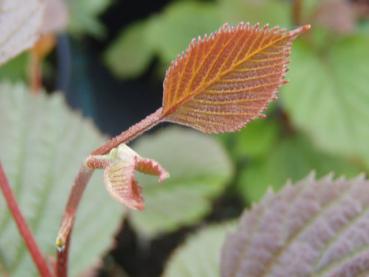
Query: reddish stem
35,73
80,183
23,229
64,234
132,132
62,259
297,12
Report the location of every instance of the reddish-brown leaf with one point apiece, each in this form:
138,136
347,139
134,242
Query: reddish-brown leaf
227,79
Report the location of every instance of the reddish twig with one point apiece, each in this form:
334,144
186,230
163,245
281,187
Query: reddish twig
23,229
297,12
35,73
62,259
63,239
132,132
80,183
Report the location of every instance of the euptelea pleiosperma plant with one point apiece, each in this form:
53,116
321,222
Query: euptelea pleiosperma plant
219,84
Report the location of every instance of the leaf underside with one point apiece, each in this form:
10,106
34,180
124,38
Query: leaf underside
20,24
227,79
315,228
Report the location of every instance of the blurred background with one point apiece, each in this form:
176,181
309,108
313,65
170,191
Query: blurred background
109,59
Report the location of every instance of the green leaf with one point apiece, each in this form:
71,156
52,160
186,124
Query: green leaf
363,27
42,145
172,31
292,159
131,53
199,171
199,255
84,16
313,228
273,12
328,98
309,8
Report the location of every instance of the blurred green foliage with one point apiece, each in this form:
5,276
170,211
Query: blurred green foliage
328,95
199,172
83,16
122,57
273,12
15,69
200,254
255,140
291,158
168,33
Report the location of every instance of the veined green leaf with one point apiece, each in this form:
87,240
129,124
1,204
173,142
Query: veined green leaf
20,26
42,144
328,95
199,255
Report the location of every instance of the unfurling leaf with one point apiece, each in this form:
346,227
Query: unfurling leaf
314,228
227,79
20,24
119,169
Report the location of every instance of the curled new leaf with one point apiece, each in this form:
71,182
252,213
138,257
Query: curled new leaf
227,79
314,228
119,169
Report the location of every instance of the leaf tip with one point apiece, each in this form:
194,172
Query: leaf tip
139,206
300,30
163,176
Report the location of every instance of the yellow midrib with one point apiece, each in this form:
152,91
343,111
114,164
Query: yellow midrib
168,110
